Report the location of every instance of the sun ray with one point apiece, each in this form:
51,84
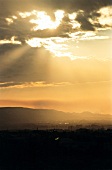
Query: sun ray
12,56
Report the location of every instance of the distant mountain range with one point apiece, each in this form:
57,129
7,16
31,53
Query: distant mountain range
18,115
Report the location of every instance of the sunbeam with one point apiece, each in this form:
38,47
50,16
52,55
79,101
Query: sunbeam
11,56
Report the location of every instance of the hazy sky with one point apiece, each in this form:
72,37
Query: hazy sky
56,54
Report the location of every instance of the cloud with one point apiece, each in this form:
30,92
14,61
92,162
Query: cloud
12,41
22,85
8,85
80,20
83,20
71,5
65,53
44,21
102,18
24,22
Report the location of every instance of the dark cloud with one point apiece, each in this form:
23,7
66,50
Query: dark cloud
22,28
8,84
12,6
85,24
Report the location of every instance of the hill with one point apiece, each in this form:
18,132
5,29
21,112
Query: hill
18,115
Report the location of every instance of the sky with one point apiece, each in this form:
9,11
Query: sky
56,54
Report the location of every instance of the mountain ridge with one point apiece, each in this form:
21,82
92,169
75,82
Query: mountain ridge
29,108
11,115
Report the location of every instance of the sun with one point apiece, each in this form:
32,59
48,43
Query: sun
44,21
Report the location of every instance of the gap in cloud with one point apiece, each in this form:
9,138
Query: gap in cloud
11,41
43,20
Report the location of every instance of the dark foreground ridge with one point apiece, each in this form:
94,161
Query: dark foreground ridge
82,149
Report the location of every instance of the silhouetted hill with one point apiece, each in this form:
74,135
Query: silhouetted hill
27,115
18,115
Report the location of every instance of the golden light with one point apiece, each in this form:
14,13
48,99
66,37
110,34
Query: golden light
25,14
9,20
72,16
14,17
106,16
57,47
34,42
73,22
44,21
12,41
